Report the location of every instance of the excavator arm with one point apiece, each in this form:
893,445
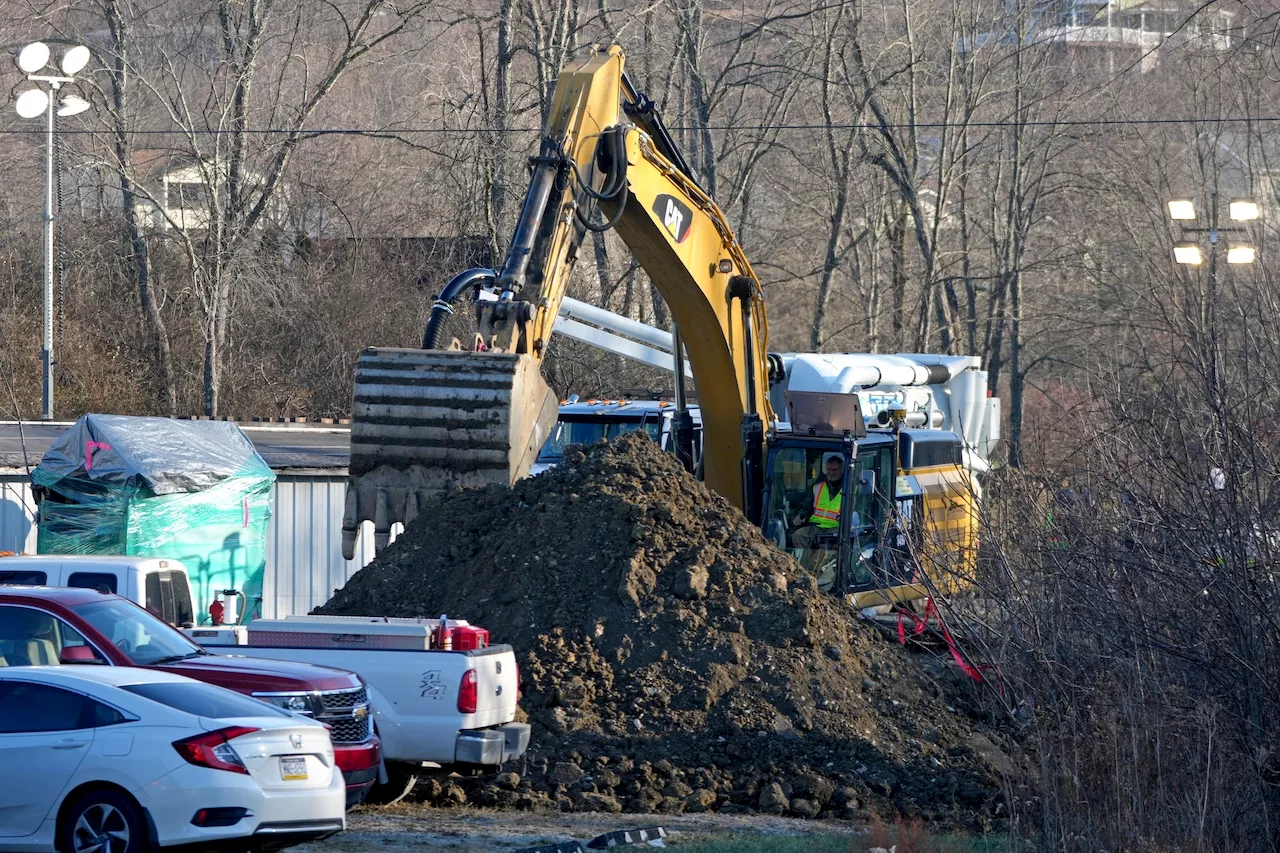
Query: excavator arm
683,241
433,418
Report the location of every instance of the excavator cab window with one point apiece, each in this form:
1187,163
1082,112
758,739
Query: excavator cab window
864,508
793,519
870,513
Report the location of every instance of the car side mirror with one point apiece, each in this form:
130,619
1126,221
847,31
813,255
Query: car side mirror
77,654
867,483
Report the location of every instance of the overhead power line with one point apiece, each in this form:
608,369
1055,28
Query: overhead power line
939,125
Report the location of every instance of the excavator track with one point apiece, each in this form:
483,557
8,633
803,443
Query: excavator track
427,421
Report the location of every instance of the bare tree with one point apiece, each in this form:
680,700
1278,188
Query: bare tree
240,83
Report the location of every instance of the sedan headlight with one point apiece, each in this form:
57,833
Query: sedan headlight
297,703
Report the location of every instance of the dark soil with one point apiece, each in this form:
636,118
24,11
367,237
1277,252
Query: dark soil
673,660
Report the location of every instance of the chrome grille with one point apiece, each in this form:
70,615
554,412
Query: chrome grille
347,714
344,700
350,729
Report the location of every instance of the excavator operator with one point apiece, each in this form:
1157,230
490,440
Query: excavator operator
825,516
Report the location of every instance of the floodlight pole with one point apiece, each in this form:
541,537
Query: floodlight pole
46,351
50,211
33,60
1209,306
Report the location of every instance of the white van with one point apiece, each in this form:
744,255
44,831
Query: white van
159,585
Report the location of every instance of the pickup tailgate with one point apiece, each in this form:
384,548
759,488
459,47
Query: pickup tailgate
414,694
497,687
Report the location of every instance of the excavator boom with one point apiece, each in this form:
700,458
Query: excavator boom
462,413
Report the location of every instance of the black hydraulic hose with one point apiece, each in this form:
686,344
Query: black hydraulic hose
546,169
607,224
615,167
615,185
443,307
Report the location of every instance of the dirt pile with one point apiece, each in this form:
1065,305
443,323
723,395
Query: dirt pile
672,660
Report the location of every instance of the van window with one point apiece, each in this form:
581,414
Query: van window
93,580
592,429
23,577
169,597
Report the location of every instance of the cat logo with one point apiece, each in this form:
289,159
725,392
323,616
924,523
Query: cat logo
675,216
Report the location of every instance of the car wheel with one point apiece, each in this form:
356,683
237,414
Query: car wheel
102,821
401,780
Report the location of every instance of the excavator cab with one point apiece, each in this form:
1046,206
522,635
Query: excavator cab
843,556
798,492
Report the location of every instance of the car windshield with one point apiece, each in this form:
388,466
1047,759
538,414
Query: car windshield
589,431
204,700
144,639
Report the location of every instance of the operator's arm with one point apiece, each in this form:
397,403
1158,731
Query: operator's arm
804,517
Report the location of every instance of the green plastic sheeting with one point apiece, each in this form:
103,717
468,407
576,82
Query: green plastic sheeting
196,491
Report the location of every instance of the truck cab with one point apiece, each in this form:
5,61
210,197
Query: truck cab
159,585
589,421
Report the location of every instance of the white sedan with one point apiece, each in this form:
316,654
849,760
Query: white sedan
121,760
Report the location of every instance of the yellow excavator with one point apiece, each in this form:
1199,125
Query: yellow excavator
474,411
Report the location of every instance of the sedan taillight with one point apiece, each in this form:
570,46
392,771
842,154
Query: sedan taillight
469,693
213,750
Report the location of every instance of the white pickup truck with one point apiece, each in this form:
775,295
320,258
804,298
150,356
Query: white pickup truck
432,707
451,708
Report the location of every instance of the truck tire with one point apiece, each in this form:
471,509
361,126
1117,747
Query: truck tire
401,780
103,820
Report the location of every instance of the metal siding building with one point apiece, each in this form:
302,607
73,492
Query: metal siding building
304,536
304,543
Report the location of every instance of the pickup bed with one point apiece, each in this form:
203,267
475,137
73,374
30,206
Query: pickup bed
431,708
52,626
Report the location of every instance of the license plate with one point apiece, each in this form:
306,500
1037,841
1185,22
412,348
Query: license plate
293,768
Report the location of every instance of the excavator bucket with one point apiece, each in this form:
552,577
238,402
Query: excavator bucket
426,421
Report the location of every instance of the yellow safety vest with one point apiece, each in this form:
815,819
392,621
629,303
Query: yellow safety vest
826,508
